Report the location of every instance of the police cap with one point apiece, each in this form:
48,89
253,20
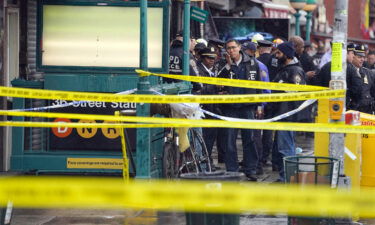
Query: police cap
264,43
208,52
248,45
199,47
360,50
350,47
217,42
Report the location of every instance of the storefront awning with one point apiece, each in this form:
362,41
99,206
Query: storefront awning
272,10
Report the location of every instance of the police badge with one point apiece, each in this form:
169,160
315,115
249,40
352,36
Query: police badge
297,79
365,80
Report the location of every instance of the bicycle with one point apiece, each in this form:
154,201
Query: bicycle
192,160
195,158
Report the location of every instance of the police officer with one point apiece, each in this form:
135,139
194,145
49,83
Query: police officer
238,65
290,72
370,63
206,68
220,50
176,55
265,56
353,81
260,136
366,102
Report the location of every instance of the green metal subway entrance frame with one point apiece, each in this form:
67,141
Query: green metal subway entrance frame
64,56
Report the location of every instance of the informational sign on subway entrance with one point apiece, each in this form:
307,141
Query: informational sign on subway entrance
92,139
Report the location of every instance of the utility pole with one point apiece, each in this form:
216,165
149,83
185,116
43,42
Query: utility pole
2,79
338,80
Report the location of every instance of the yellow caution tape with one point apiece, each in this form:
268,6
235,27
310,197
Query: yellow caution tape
74,192
237,83
125,168
172,122
90,96
84,125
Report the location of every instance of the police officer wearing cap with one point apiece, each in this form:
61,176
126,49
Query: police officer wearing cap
366,101
353,81
263,140
219,47
206,68
265,56
176,57
264,50
238,65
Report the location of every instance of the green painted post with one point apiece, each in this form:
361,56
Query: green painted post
308,25
309,8
186,59
297,15
143,164
297,5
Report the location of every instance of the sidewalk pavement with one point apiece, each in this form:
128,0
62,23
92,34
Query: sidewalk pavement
144,217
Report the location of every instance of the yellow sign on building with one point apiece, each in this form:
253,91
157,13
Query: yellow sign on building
94,163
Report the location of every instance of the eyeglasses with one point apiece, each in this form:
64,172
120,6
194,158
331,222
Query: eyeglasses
231,47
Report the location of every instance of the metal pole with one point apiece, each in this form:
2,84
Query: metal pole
201,25
3,104
143,163
297,15
186,59
308,25
338,76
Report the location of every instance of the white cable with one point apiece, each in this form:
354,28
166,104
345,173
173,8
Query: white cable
282,116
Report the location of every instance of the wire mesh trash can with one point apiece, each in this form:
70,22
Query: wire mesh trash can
311,170
204,218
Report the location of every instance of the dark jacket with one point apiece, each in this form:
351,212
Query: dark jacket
366,103
206,89
293,74
353,83
307,62
323,77
271,62
317,57
365,64
251,73
175,57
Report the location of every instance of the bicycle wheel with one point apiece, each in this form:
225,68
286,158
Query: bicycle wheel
188,162
171,158
200,150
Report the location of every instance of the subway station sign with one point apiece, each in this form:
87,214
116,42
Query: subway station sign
198,14
93,139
